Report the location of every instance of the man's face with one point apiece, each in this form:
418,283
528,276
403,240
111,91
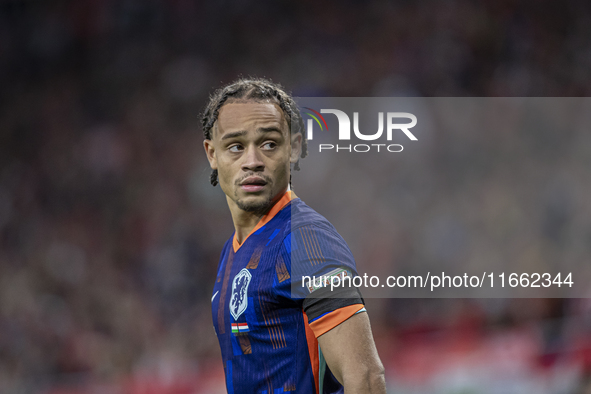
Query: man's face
251,148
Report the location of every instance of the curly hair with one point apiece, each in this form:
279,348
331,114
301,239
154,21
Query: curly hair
257,90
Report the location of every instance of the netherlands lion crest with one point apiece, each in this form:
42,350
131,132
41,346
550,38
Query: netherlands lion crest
239,298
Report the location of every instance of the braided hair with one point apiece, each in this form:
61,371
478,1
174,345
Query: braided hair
258,90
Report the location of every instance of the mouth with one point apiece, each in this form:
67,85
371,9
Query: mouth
253,184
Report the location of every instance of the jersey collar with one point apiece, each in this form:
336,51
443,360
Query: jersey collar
279,205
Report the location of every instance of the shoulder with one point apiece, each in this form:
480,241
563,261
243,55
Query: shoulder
303,217
312,233
227,247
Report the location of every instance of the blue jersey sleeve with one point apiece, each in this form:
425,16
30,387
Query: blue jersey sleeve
317,254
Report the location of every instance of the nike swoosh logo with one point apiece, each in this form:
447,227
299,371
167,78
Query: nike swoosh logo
216,293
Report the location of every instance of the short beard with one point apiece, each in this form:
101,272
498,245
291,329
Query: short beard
258,209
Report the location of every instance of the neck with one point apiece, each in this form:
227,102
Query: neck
246,221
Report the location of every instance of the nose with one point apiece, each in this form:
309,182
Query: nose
252,160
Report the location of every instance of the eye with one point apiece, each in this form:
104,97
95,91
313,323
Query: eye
235,148
269,145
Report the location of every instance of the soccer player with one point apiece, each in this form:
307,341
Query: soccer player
276,338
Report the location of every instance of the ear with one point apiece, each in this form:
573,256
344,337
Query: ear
296,147
210,152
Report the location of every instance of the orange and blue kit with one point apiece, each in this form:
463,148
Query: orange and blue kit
267,316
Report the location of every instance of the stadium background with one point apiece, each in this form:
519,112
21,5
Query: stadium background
110,232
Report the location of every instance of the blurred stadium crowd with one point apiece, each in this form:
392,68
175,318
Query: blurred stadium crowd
110,232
